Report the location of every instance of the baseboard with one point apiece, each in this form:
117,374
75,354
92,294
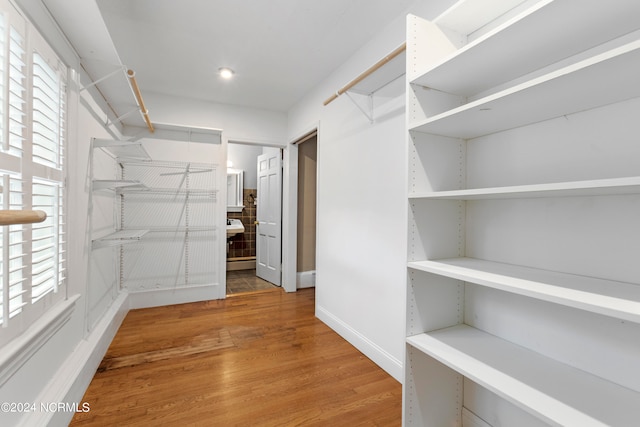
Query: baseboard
382,358
160,297
72,379
244,264
306,279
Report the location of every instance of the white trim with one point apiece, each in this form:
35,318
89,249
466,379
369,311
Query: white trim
18,351
245,264
469,419
377,354
306,279
160,297
73,377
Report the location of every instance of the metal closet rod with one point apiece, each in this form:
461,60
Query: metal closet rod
11,217
375,67
136,91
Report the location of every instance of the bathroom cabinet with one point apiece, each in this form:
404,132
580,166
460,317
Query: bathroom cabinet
523,289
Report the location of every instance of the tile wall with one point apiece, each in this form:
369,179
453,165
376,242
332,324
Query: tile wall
244,244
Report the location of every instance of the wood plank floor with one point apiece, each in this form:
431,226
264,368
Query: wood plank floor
259,359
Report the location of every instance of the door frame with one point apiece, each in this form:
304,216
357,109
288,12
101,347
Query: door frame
289,200
290,207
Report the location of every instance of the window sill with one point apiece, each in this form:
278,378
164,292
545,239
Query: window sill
18,351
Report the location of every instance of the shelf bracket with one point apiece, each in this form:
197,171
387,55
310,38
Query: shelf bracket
122,117
101,79
366,110
135,89
375,67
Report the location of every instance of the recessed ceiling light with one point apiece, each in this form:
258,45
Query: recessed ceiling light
226,73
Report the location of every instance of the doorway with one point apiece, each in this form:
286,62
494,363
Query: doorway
306,218
243,246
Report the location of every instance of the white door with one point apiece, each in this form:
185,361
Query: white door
269,214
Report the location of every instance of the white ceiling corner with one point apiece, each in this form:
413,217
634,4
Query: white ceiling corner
280,49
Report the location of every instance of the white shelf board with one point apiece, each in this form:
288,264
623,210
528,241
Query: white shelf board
112,184
182,229
166,191
598,187
123,149
607,297
495,58
120,237
174,132
557,393
468,16
604,79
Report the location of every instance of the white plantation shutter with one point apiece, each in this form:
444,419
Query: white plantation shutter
14,249
47,134
32,133
15,92
47,114
47,260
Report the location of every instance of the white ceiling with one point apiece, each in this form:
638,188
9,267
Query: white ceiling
280,49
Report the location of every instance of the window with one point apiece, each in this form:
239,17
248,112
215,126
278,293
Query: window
32,171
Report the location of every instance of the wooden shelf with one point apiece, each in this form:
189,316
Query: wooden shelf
578,87
494,58
598,187
556,393
113,184
607,297
119,238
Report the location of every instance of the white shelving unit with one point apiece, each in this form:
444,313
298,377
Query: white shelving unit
177,207
168,209
119,238
523,298
113,184
122,149
119,151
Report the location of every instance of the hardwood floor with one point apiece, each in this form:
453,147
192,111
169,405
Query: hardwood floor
258,359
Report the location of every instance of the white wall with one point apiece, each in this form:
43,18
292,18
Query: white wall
362,205
241,124
245,157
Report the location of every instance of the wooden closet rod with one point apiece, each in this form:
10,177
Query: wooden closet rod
367,73
11,217
136,90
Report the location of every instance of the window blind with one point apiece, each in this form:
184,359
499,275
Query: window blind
32,149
